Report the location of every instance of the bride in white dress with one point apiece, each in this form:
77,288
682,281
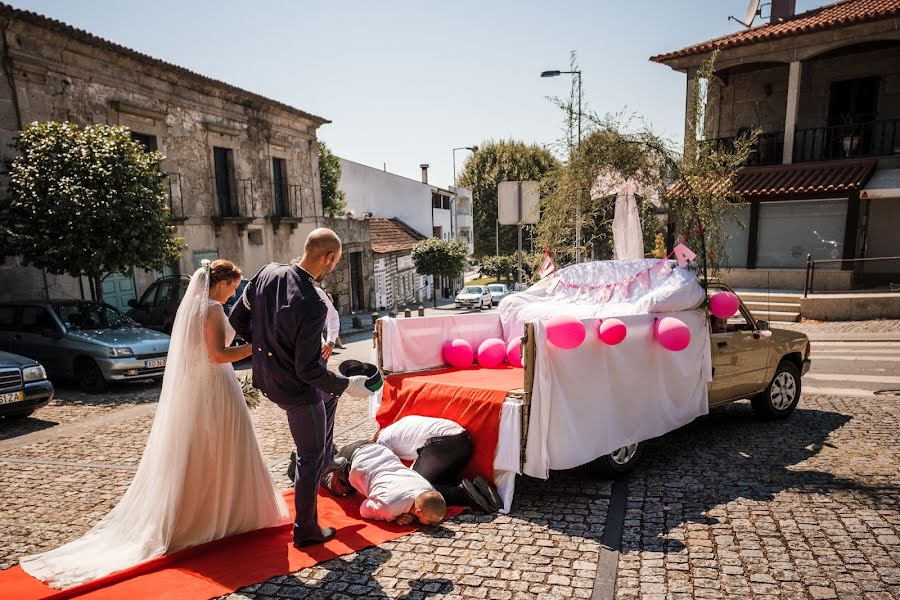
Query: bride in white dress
202,475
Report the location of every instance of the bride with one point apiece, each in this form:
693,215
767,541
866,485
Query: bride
202,475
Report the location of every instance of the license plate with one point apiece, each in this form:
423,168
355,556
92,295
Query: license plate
155,364
12,397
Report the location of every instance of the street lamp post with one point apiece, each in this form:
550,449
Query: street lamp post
577,200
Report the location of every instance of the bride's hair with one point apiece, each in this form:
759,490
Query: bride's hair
223,270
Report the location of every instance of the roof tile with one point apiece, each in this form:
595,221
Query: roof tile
833,16
393,235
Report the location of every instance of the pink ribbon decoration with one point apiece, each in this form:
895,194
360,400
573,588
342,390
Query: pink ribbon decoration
684,255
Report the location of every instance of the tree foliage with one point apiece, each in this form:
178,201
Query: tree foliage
86,202
333,202
440,258
484,169
502,267
702,202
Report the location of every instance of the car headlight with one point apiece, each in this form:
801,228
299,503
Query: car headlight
120,353
36,373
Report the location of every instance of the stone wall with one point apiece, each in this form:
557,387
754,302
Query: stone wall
759,97
356,237
56,73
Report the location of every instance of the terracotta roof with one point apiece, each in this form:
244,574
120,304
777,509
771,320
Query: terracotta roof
393,235
782,182
98,42
833,16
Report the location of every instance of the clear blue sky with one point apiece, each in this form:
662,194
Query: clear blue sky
405,82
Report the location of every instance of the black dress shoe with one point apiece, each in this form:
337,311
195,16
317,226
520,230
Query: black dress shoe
489,492
476,500
326,533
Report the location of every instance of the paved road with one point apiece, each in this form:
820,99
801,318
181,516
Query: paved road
727,507
854,368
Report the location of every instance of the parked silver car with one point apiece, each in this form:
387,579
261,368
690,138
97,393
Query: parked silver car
475,296
498,291
90,342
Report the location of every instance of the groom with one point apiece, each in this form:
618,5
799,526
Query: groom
282,316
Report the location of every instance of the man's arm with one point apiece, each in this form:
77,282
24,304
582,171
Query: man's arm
375,509
240,312
308,347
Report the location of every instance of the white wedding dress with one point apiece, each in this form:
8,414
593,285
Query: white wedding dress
202,475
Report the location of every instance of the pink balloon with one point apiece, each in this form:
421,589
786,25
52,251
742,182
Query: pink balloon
723,305
565,332
458,353
514,352
672,334
612,331
491,353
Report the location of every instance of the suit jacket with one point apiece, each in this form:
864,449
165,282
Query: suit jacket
284,322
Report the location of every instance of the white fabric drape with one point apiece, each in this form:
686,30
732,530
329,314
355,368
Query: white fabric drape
201,476
628,239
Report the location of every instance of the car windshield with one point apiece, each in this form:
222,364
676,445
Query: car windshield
91,315
496,288
471,289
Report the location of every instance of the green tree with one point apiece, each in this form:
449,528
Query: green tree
502,267
333,203
493,163
86,202
440,258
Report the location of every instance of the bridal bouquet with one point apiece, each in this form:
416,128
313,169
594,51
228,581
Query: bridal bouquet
252,396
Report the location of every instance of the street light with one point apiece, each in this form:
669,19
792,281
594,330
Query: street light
577,200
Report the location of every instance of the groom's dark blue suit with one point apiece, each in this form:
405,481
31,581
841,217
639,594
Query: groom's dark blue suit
282,316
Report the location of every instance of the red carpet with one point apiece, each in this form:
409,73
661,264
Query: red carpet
471,397
223,566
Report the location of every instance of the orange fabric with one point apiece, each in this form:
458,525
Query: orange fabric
471,397
223,566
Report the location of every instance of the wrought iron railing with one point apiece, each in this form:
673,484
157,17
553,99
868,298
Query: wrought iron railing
768,149
238,202
852,275
873,138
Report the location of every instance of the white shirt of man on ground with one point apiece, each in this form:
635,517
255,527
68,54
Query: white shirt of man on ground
393,491
407,435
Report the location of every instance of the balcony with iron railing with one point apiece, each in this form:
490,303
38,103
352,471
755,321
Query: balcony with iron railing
233,203
852,140
877,138
287,206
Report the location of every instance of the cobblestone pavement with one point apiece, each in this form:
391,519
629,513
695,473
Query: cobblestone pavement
727,507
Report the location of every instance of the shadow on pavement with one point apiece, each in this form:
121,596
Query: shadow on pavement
355,577
725,456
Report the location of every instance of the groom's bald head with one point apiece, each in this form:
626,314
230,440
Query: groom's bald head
321,253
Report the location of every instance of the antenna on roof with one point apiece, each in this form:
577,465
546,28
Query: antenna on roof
753,11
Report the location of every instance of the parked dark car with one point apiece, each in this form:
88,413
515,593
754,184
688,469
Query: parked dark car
24,387
157,307
90,342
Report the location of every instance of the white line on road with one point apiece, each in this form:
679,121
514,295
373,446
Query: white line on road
857,378
837,391
857,350
816,344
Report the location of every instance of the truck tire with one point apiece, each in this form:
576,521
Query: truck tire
90,378
780,397
619,463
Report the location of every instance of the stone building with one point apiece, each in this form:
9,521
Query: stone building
242,169
351,283
397,283
824,179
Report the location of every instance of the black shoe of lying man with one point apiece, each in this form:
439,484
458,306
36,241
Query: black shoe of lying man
489,492
476,500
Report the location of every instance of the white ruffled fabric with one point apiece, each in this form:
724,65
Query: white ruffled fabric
202,475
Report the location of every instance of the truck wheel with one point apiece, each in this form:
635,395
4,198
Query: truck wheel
780,398
619,463
90,378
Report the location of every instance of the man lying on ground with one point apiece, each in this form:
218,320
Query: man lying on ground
441,449
393,492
